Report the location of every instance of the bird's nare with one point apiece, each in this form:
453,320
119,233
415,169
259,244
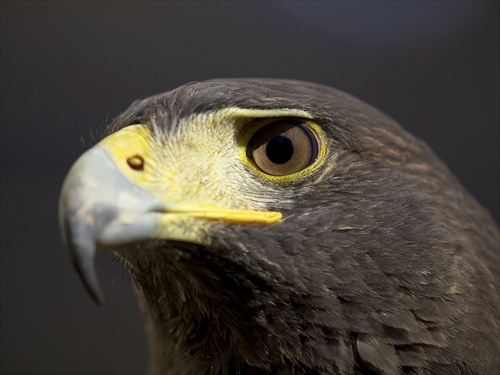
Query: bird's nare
284,227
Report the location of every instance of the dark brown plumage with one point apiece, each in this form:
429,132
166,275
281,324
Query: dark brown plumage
382,263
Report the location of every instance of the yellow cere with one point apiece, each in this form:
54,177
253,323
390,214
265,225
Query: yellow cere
199,169
129,142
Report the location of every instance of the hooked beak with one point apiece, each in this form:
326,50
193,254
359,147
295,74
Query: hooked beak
99,206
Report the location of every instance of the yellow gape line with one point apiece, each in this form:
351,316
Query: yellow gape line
230,215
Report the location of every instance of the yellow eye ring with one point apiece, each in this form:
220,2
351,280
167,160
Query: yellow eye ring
286,149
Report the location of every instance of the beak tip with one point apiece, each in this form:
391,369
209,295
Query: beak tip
97,296
91,282
79,239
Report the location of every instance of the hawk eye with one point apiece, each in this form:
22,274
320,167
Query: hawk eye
283,147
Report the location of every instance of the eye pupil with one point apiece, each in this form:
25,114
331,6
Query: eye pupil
279,149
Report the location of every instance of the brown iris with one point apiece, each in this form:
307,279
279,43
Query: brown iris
283,147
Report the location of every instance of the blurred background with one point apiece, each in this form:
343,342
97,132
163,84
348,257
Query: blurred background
67,68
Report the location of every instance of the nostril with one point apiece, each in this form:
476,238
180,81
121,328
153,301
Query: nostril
136,162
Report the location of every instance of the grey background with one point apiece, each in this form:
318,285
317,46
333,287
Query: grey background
69,67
